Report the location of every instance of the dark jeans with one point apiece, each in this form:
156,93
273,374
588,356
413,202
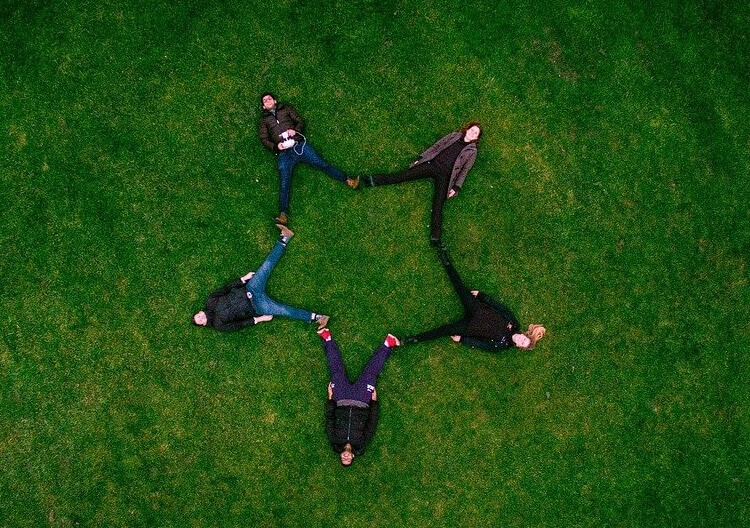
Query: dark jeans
300,153
469,302
423,171
360,390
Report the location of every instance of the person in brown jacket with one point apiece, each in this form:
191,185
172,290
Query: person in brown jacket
447,162
280,132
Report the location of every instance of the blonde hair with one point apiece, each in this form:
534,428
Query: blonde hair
535,332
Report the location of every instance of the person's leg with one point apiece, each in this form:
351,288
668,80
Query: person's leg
286,162
338,370
417,172
440,195
446,330
468,301
263,304
365,384
257,283
311,157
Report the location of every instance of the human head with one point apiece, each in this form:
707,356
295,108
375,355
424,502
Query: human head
267,101
200,319
347,455
478,131
527,340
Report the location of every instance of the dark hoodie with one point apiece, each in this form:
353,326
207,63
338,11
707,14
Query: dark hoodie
351,424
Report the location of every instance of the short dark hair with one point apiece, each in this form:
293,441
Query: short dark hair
265,94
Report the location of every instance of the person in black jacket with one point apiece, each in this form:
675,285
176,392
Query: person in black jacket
280,131
244,302
352,409
486,323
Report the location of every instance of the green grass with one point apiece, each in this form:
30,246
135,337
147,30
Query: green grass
609,201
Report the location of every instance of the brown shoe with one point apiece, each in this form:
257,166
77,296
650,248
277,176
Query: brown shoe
282,219
353,183
322,320
286,233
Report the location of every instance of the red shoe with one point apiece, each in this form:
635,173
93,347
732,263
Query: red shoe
325,334
392,341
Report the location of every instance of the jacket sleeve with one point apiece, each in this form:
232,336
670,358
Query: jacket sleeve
462,170
499,308
265,135
484,344
372,423
331,421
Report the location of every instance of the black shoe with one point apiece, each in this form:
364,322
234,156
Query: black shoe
437,244
409,341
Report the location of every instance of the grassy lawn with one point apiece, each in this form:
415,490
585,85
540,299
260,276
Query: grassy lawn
609,201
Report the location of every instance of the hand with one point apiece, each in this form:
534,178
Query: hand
291,132
246,277
475,293
456,338
374,395
452,193
330,390
281,146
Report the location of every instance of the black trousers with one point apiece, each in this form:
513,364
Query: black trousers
440,179
469,302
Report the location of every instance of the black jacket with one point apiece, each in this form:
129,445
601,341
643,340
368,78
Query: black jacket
503,339
229,309
271,126
353,425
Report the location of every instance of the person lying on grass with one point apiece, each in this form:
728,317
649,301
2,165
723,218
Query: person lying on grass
447,162
486,323
244,302
352,409
281,132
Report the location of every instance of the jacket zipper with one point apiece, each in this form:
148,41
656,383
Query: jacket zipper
349,425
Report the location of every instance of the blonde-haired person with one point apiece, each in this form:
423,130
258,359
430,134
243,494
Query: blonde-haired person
486,323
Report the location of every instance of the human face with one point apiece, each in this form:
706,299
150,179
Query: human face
347,456
472,134
521,341
268,102
200,318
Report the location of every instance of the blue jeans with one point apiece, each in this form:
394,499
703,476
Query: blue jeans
288,158
256,287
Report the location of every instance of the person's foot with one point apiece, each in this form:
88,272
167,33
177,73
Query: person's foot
322,320
325,334
437,243
286,233
392,341
282,219
353,183
410,341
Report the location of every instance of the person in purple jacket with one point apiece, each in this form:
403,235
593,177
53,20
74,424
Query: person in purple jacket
446,163
486,323
352,408
244,302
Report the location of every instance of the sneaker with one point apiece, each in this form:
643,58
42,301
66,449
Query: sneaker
353,183
392,341
325,334
286,233
282,219
410,341
322,320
